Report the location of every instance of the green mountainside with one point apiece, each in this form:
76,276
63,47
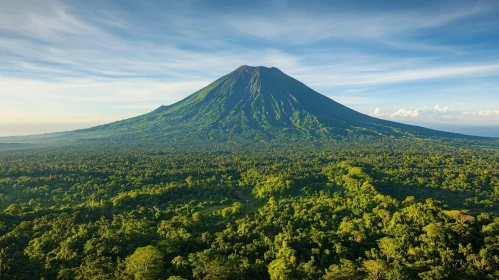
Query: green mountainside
258,103
248,105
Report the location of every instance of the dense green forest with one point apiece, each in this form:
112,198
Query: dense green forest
401,209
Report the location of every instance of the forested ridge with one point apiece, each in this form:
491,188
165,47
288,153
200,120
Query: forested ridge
404,209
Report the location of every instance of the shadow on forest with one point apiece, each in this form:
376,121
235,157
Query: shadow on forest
454,199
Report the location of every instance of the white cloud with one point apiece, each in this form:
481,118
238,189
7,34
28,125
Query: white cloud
488,113
440,114
436,112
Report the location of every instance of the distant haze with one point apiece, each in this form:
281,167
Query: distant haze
40,128
478,130
29,129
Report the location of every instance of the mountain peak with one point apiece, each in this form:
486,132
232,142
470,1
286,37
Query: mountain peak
256,69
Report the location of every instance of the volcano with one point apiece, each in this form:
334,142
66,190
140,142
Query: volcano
252,104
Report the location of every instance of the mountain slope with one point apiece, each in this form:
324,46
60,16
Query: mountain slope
251,104
263,103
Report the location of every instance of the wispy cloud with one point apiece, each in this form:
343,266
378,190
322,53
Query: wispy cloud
351,100
303,28
48,39
74,91
360,76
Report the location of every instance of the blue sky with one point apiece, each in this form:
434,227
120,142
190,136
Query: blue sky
74,64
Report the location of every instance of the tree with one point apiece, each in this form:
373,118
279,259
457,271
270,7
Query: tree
211,265
284,266
95,268
336,272
376,269
145,263
388,247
